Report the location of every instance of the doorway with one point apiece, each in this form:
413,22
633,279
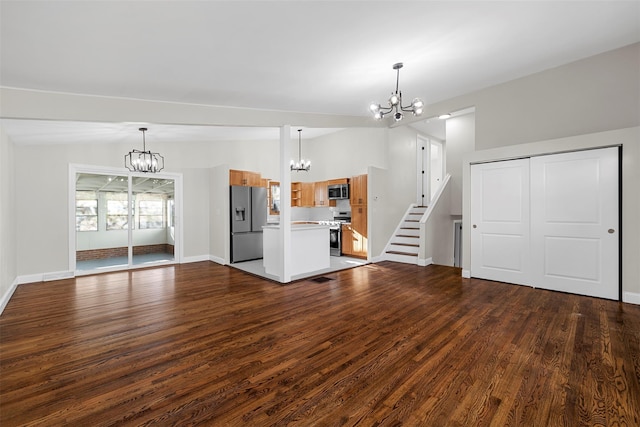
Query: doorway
122,220
430,167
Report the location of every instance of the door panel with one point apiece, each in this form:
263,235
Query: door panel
500,221
575,215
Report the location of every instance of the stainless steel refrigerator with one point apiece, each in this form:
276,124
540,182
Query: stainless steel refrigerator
248,216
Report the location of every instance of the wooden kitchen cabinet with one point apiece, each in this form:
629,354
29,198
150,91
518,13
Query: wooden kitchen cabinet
338,181
245,178
321,196
359,230
296,194
358,198
358,188
347,239
307,195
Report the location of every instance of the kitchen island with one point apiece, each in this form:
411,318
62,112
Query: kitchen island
309,249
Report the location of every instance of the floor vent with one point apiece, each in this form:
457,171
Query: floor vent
320,279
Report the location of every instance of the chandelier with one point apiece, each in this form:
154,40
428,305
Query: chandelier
143,161
395,103
301,164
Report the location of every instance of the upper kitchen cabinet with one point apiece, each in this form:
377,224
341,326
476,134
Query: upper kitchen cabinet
358,190
307,195
245,178
321,193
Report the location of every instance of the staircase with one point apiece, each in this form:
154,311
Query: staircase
404,245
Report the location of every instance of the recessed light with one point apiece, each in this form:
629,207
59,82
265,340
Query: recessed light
444,116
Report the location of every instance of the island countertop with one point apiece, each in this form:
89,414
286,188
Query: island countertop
298,226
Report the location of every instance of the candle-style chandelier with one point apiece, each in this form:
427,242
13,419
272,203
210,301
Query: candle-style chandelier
143,161
301,164
395,102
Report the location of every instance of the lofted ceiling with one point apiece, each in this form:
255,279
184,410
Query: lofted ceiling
325,57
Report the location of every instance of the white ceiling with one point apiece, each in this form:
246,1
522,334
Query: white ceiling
306,56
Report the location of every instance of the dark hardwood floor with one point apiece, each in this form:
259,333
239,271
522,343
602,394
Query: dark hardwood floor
385,344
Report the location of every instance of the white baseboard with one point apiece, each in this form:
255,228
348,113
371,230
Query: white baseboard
7,295
30,278
425,262
217,260
466,274
57,275
198,258
631,297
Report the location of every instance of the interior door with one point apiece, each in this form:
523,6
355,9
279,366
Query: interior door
500,221
436,167
575,222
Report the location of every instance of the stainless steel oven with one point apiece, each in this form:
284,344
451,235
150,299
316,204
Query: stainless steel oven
335,240
335,232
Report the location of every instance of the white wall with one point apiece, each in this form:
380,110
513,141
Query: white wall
8,235
219,227
439,229
460,141
402,166
594,94
342,154
380,228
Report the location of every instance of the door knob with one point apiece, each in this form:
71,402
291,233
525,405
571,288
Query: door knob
611,231
475,226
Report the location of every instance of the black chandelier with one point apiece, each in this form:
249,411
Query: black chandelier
395,102
301,164
143,161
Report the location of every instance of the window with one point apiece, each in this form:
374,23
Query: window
117,218
86,211
150,214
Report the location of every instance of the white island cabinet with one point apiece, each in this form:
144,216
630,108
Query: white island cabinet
309,249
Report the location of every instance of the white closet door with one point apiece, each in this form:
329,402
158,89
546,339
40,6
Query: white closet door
574,214
500,243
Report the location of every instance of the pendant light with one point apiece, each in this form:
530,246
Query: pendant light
301,164
143,161
395,102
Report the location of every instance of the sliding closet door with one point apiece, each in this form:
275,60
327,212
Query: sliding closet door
575,229
500,221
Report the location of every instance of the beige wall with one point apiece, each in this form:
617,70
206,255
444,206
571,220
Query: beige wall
8,235
460,141
595,94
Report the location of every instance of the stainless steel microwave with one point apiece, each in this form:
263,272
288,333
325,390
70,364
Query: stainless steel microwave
338,191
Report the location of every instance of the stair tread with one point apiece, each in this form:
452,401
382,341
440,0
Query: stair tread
408,235
411,220
409,228
402,253
406,244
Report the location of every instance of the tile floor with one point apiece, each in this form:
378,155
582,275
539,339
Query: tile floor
337,263
255,267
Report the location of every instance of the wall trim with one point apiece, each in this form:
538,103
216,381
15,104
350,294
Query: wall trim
631,298
7,295
197,258
217,259
466,274
57,275
425,262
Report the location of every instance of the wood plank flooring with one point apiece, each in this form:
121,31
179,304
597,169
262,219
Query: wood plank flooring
385,344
